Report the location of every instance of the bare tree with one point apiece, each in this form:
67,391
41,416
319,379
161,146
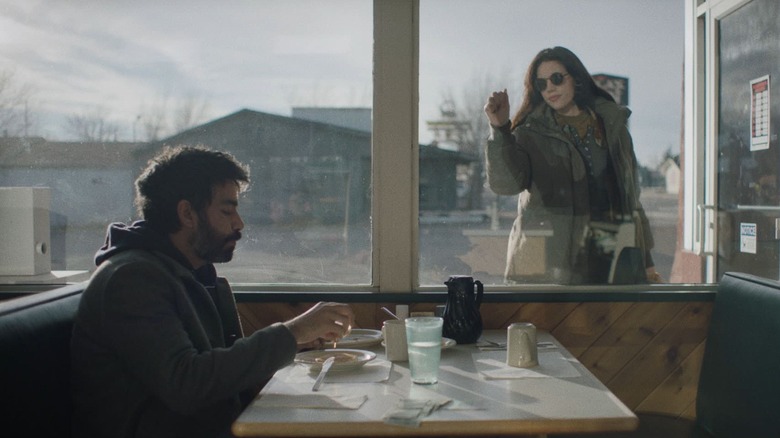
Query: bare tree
190,111
154,119
161,118
92,126
29,118
467,105
16,112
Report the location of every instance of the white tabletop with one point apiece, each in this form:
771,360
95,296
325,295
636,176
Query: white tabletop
567,399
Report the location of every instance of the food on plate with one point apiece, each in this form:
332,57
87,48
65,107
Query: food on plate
339,357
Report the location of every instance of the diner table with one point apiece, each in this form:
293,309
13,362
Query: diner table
476,395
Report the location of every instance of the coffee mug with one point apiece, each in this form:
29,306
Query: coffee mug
521,350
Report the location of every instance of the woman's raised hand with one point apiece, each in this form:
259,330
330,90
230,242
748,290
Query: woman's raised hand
497,108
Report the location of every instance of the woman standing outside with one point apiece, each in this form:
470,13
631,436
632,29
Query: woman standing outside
568,154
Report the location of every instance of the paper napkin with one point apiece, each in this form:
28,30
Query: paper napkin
411,412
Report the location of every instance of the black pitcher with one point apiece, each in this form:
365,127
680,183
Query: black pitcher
462,320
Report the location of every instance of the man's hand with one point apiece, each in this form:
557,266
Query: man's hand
497,108
324,321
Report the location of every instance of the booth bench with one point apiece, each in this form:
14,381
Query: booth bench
35,362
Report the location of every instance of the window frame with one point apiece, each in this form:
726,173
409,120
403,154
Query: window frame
395,179
701,97
395,168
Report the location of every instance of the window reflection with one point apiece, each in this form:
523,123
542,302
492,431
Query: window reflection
98,88
493,50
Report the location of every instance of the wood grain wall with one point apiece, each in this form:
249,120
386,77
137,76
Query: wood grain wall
649,354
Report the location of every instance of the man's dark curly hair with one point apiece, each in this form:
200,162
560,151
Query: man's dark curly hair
183,173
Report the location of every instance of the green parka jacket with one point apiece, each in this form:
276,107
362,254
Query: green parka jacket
539,162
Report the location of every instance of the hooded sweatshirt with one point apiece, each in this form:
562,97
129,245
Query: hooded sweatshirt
157,348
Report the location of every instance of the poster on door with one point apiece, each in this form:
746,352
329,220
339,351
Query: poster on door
747,238
759,113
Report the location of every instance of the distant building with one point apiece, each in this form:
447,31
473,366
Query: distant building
448,131
670,169
89,182
450,134
353,118
298,166
321,157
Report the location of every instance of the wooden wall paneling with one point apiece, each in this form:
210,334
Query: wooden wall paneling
583,326
663,355
423,307
380,316
367,315
629,334
545,316
255,316
690,411
249,321
677,393
500,315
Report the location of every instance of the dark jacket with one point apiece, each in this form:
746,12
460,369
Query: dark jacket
154,353
541,164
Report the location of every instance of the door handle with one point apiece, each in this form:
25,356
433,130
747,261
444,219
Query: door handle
701,227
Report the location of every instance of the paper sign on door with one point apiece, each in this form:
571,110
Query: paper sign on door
747,238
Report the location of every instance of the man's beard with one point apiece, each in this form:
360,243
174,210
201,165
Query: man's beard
210,246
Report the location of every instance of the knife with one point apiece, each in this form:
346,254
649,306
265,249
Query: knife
325,367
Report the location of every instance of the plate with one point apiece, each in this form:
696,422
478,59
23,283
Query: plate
445,343
346,359
359,338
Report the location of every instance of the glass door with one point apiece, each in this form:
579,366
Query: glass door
748,154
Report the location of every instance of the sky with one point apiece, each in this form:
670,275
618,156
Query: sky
127,60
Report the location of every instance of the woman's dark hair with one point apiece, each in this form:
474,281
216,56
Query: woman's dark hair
585,88
183,173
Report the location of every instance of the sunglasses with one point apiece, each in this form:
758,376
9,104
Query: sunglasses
556,78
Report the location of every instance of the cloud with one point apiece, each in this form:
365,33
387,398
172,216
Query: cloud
269,55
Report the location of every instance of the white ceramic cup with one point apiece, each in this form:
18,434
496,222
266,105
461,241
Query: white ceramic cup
394,332
521,350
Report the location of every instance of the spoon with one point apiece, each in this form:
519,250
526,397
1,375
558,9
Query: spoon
386,310
493,344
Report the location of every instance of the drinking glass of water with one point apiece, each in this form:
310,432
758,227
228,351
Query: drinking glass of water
423,338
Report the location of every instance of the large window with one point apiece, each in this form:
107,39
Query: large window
469,49
361,121
89,91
